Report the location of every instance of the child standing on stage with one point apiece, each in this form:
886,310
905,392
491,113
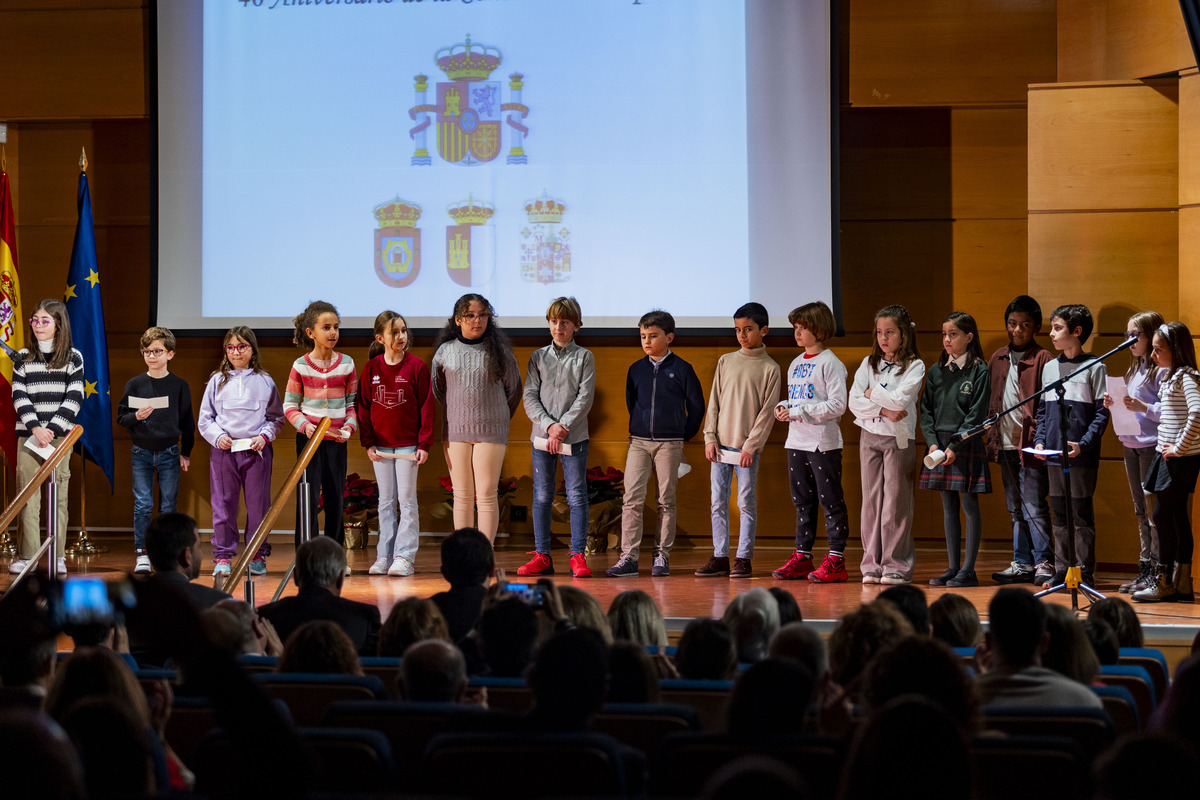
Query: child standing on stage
1015,372
478,382
240,415
883,400
741,409
957,389
1173,474
1143,380
666,407
395,415
560,384
816,401
1070,327
47,390
322,383
162,440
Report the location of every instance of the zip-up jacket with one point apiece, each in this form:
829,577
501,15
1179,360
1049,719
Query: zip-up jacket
665,401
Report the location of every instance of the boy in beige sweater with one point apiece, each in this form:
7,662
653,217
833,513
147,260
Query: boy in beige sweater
741,408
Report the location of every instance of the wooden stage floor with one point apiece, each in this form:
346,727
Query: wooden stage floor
681,596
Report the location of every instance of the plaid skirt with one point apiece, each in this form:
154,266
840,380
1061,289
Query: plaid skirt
968,473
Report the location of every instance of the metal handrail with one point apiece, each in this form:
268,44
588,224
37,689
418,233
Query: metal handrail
240,567
30,490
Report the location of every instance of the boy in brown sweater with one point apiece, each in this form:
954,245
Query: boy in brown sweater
741,409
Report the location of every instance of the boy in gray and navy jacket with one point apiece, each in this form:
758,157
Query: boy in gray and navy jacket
666,408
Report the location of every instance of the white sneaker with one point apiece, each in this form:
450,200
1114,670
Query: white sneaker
17,566
347,569
143,565
380,567
62,566
401,567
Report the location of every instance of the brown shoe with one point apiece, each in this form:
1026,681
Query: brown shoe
717,567
741,568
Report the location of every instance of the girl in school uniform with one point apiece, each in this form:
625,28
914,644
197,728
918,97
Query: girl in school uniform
956,395
1142,382
395,417
240,415
883,400
47,391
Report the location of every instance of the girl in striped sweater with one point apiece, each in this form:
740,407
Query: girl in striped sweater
322,383
1172,474
47,392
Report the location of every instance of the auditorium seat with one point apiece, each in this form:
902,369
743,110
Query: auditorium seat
255,664
1121,706
686,761
1091,728
643,726
386,668
507,695
524,765
708,698
1014,767
192,718
308,695
1136,680
409,727
1151,660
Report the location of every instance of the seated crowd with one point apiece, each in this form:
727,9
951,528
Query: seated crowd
888,684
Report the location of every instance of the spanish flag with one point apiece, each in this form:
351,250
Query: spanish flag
12,331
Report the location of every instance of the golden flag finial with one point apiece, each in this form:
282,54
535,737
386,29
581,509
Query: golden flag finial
82,159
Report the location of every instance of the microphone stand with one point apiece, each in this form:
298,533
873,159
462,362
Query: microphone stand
1074,580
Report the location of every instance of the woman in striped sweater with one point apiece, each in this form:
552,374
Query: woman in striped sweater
47,391
1172,475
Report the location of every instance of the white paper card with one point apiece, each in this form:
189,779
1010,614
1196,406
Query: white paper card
1124,421
242,444
42,452
730,457
401,456
1034,452
542,443
152,402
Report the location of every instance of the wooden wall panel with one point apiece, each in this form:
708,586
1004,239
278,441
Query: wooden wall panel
1145,38
73,63
1103,146
934,53
1189,267
1189,138
897,262
1126,260
895,163
987,163
1081,40
990,267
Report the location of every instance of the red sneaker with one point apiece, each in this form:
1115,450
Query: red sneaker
579,567
540,564
797,567
832,570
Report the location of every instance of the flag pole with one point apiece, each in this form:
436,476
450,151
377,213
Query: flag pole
7,548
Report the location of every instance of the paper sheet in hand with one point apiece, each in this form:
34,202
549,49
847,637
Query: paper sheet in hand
730,457
152,402
1034,452
401,456
42,452
242,444
1124,421
542,443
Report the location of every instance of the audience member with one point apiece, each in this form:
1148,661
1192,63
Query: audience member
1122,618
432,671
41,761
705,651
26,670
927,668
320,571
113,747
1103,640
634,616
909,601
583,610
255,636
568,679
1120,772
1010,658
858,637
754,704
954,620
753,618
1179,713
1068,650
468,562
508,637
411,620
632,676
789,609
320,646
758,777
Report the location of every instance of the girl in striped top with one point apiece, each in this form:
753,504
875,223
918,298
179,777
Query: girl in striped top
1172,475
322,383
47,390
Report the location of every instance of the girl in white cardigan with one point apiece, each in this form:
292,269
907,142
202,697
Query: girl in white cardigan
883,400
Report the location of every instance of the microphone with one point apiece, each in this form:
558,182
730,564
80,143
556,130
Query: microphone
16,357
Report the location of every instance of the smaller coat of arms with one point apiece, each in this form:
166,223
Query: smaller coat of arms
545,242
397,242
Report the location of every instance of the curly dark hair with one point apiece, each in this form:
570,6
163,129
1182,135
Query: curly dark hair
495,340
308,319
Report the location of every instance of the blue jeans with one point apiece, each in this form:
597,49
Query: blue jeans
545,466
722,484
1025,490
145,464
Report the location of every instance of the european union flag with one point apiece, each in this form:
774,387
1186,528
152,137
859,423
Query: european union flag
87,333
